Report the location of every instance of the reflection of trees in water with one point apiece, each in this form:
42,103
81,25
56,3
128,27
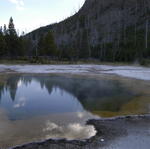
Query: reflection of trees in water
1,90
9,85
93,94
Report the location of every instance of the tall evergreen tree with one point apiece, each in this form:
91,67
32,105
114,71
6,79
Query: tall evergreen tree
2,43
11,28
47,46
1,30
84,47
5,29
40,47
14,43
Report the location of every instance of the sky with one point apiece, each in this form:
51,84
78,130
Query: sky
31,14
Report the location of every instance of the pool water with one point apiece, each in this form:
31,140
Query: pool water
39,107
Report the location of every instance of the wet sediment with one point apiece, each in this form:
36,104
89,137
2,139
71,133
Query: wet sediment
108,130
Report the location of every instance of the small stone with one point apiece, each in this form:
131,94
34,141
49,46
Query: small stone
102,140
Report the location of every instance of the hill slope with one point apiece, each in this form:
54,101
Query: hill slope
106,29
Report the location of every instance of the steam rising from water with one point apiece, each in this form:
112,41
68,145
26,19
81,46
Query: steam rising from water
58,106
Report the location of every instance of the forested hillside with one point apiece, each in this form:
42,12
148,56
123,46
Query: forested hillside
109,30
106,30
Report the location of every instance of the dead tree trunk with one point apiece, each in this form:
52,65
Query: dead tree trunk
135,34
146,23
146,33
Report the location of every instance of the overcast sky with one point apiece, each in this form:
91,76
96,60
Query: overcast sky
31,14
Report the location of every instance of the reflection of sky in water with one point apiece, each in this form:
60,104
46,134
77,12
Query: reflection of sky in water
32,100
27,96
55,107
67,125
30,111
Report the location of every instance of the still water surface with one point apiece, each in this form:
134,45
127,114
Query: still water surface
37,107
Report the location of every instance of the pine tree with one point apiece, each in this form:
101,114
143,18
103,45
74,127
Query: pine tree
5,30
50,48
14,43
41,51
11,28
84,47
2,43
1,30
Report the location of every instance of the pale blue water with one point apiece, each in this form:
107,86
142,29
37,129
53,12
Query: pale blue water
38,107
29,96
31,99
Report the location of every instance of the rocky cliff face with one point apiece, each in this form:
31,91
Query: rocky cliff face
101,22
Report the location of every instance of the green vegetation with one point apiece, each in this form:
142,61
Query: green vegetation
11,45
131,45
47,46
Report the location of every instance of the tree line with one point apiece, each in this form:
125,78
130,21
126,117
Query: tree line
132,44
11,45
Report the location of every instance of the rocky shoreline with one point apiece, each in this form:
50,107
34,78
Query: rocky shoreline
108,132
